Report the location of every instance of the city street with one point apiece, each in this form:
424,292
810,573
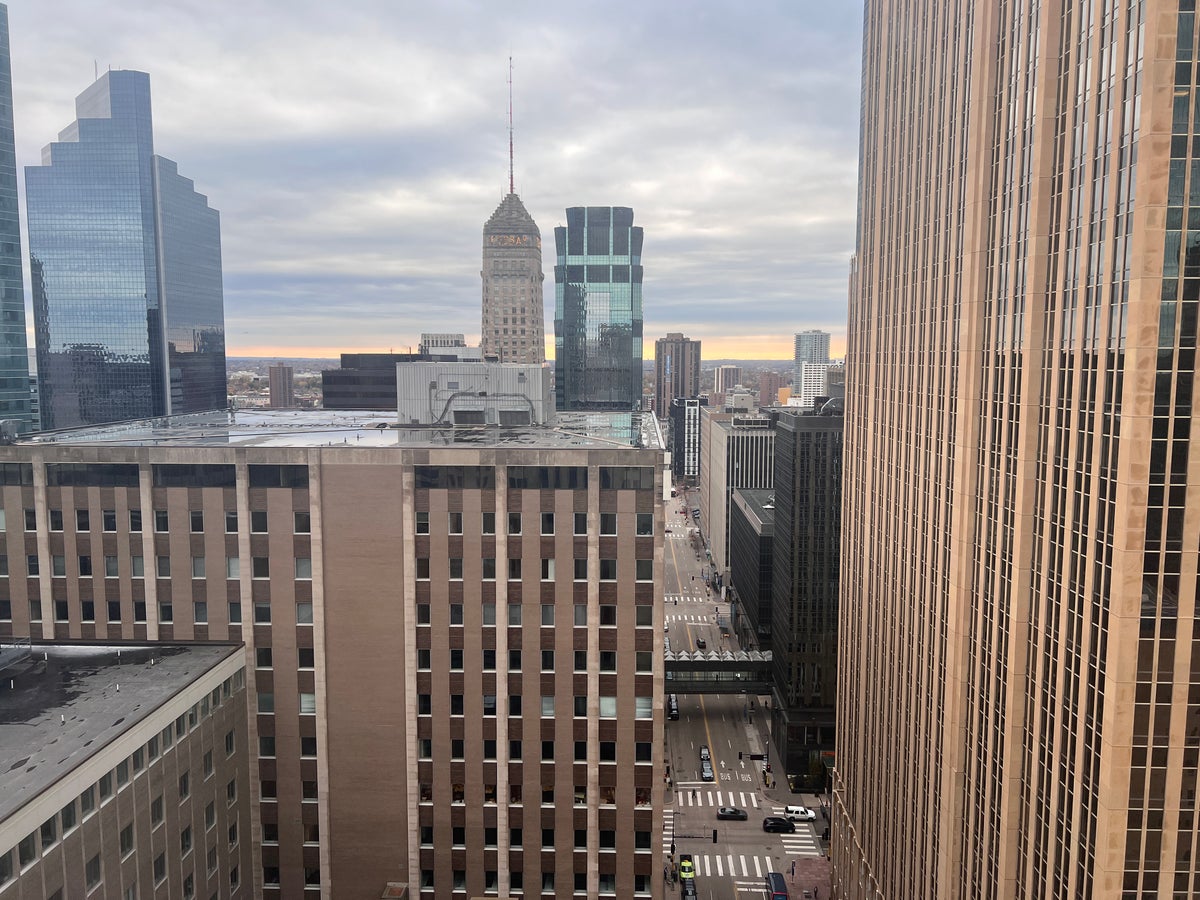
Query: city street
732,727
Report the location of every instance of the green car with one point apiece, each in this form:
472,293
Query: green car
687,869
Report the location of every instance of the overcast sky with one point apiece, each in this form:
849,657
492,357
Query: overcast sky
356,149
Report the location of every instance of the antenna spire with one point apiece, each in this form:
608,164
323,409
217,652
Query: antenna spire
511,188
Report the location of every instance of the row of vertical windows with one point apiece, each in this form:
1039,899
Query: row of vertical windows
643,569
301,521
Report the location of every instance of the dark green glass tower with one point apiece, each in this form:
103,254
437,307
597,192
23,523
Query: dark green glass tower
598,310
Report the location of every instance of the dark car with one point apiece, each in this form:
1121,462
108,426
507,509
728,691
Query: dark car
701,644
689,887
779,825
731,812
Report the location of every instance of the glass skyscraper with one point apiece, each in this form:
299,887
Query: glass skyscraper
14,356
598,310
125,264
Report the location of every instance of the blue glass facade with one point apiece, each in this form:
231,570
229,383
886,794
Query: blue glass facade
598,310
14,356
125,265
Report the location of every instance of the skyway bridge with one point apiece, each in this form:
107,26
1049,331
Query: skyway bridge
717,671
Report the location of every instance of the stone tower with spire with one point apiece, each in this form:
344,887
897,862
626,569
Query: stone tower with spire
513,329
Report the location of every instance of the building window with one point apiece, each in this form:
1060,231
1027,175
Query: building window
262,612
163,566
645,524
231,521
456,568
197,521
422,522
304,613
514,523
422,568
161,522
302,523
547,570
303,568
608,570
56,520
233,567
644,570
514,569
258,521
547,523
455,522
108,519
489,523
308,704
197,566
260,567
608,523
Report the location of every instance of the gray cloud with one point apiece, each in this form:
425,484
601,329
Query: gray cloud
355,152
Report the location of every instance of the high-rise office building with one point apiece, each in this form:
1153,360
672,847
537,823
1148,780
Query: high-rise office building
726,378
282,386
494,727
14,357
125,264
598,309
513,315
676,371
769,386
807,495
685,439
1020,661
812,346
736,451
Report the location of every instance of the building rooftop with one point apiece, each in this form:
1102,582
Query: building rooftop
301,428
760,503
71,701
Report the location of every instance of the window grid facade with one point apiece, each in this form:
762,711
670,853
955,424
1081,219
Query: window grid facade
1019,575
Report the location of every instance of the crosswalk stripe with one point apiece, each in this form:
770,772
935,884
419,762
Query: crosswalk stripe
719,872
754,801
757,870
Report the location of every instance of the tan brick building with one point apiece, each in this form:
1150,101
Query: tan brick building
453,637
126,772
1019,666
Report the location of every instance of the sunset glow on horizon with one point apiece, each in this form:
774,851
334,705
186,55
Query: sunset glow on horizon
774,347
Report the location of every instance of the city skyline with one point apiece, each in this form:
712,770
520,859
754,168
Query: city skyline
377,200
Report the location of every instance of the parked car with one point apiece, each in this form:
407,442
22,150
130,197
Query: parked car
779,824
731,812
800,813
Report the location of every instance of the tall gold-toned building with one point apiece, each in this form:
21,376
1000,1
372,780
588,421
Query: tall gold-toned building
1019,709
